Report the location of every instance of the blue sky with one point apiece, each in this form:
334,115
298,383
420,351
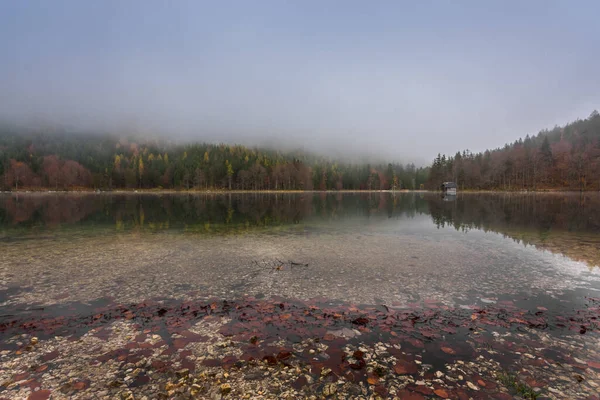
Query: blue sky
400,79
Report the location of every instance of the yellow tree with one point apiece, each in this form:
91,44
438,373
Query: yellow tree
395,183
141,170
117,162
229,172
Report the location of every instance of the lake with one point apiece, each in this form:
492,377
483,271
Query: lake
346,295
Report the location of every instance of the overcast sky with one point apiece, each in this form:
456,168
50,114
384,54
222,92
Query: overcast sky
402,79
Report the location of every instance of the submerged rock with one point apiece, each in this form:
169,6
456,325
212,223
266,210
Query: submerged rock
182,373
329,389
127,395
225,388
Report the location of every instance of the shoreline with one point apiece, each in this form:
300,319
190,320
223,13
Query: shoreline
225,191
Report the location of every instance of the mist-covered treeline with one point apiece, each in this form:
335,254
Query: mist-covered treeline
59,160
563,158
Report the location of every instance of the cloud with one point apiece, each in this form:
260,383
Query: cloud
390,80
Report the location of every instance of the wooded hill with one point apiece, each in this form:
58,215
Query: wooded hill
61,160
562,158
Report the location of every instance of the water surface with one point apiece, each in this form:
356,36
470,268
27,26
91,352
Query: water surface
443,268
366,248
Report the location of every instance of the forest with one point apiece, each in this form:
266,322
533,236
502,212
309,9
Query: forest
562,158
62,160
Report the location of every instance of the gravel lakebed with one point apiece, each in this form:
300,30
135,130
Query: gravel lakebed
280,348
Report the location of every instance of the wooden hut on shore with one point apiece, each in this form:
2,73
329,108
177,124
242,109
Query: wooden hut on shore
449,187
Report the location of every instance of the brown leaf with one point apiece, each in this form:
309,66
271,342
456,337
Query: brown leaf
381,390
372,379
416,342
40,395
405,394
593,364
448,350
405,367
421,389
41,368
441,393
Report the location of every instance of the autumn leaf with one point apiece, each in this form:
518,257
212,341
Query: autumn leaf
405,394
40,395
381,390
416,342
372,379
405,367
422,389
593,364
448,350
441,393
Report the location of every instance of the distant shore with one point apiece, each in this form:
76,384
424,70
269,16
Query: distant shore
225,191
207,191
